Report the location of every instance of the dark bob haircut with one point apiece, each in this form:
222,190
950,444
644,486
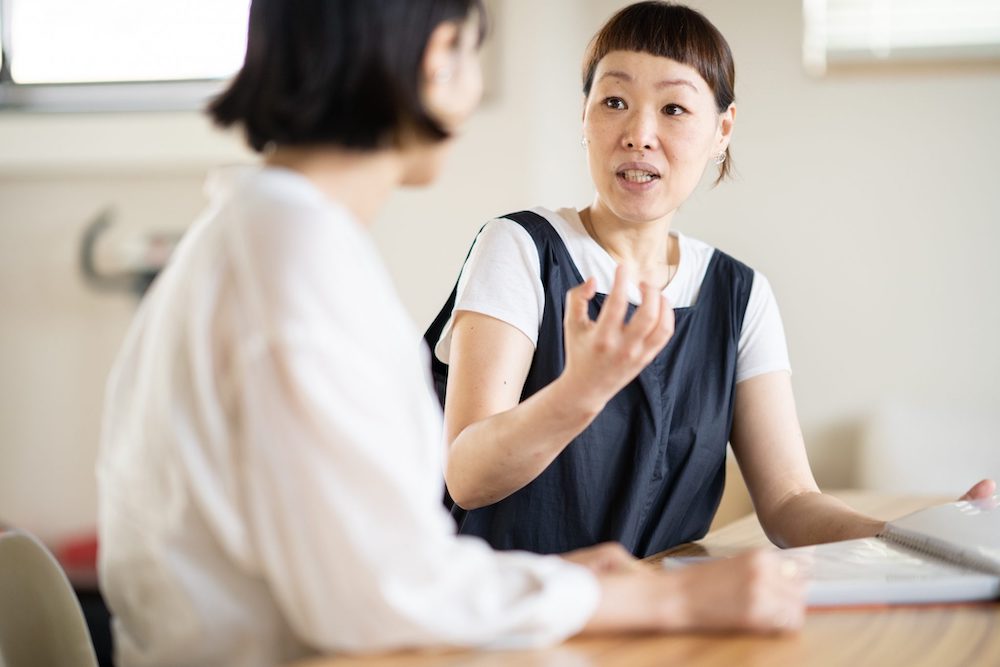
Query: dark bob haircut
336,72
671,31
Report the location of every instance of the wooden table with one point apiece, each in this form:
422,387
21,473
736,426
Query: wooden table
929,636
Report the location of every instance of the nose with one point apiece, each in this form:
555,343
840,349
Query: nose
640,132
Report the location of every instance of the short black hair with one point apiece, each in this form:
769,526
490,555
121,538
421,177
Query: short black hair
336,72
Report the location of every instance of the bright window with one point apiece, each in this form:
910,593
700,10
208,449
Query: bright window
854,31
55,48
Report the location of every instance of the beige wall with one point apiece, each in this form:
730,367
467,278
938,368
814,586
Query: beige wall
868,199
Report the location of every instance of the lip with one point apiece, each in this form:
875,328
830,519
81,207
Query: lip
637,166
631,186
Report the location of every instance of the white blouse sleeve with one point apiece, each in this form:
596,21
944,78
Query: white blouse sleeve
341,457
501,279
762,347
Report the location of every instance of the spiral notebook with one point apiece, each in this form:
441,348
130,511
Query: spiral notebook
946,553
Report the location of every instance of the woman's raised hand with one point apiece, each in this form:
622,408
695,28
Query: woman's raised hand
605,355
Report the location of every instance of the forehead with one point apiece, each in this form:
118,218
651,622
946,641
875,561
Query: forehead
646,70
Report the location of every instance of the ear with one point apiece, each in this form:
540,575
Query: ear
440,63
727,119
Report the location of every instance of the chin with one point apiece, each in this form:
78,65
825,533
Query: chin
420,178
425,164
638,208
640,214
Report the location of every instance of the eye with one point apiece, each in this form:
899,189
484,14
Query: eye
614,103
674,110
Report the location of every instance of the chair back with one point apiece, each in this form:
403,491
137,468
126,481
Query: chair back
40,618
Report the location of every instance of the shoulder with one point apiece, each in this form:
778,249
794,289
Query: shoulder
293,250
280,219
708,251
501,242
704,254
288,205
522,233
535,224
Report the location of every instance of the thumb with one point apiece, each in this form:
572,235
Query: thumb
577,299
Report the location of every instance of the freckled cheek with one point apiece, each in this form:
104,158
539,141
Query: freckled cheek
682,139
603,140
602,152
681,150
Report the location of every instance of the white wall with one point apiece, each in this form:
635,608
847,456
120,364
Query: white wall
869,199
521,150
866,197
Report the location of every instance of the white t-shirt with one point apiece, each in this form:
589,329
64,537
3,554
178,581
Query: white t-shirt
502,279
270,475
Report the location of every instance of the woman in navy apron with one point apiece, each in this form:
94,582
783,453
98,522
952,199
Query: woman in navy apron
573,415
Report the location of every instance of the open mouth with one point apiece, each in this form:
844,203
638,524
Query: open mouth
638,175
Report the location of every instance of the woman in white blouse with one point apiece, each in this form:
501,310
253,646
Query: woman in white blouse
270,470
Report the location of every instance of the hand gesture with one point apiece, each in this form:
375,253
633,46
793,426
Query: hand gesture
604,356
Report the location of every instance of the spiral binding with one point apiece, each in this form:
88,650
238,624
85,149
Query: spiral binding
940,549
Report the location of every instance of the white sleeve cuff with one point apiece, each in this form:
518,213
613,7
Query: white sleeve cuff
762,347
570,600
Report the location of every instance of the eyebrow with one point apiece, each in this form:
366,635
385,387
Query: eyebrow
625,76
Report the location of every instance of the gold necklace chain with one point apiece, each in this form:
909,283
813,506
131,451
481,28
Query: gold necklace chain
588,226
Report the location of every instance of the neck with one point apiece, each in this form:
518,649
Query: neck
646,247
359,180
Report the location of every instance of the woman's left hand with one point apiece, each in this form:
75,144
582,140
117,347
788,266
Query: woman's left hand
980,490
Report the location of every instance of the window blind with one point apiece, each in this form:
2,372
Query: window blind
856,31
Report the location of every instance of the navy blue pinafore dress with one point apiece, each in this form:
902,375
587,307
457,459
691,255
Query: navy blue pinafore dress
648,472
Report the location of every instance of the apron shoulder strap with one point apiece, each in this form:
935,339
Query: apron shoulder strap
540,231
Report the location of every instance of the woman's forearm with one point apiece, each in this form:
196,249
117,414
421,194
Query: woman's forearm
494,457
497,451
768,444
812,517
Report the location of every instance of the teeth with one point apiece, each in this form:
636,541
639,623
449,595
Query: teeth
637,176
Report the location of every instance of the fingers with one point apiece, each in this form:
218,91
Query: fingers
980,490
605,355
606,558
777,594
577,300
646,316
616,305
664,328
765,592
613,557
652,325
